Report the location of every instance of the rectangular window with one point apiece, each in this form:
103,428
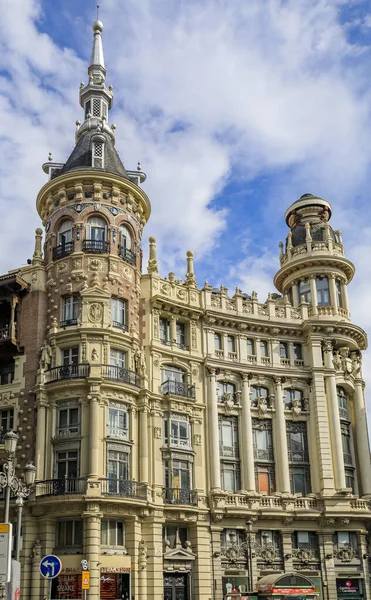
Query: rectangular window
118,466
307,540
173,533
70,356
6,421
298,352
118,313
269,537
98,155
177,474
343,404
345,539
347,444
165,331
67,464
339,293
117,358
118,423
6,372
69,533
304,290
218,342
181,335
233,537
228,437
231,343
263,456
173,374
230,476
70,310
297,445
176,432
250,347
263,348
350,480
264,478
294,399
112,533
68,420
323,293
226,391
284,353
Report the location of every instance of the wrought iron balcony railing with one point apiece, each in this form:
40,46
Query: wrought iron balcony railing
79,371
95,246
180,496
119,325
178,388
124,488
116,373
68,322
127,255
61,487
63,250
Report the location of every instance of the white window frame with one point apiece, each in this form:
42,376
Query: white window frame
68,429
70,308
119,311
177,440
114,416
107,531
65,229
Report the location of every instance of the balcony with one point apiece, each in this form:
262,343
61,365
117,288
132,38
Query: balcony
178,388
127,255
118,325
68,322
95,246
124,488
115,373
60,487
118,433
79,371
63,250
180,496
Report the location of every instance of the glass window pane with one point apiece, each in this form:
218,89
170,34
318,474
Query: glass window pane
227,438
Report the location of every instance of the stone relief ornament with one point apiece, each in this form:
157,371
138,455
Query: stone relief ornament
46,357
262,406
337,360
157,432
346,554
95,264
142,558
197,439
95,312
346,363
94,355
140,361
296,409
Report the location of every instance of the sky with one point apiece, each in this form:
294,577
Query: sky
234,108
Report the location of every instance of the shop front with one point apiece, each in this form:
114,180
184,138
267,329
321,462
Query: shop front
114,578
351,588
284,587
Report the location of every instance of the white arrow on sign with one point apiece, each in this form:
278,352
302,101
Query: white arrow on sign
47,564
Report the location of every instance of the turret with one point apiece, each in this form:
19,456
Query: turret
313,266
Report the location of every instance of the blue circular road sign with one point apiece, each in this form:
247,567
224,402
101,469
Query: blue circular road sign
50,566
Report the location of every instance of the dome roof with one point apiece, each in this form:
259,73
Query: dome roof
81,157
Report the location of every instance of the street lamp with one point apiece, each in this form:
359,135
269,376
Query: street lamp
251,575
10,482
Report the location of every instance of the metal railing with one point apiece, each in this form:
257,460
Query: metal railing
127,255
116,373
61,487
68,322
178,388
122,326
63,250
95,246
79,371
124,488
180,496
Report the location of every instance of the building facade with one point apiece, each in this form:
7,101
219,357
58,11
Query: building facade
187,442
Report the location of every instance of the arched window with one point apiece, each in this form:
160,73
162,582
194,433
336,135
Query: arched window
64,240
95,241
226,391
98,154
126,248
259,395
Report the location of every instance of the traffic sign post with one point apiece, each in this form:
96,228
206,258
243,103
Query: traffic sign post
5,551
85,580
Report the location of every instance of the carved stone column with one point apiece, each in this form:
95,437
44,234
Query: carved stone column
247,454
40,437
333,294
281,458
334,418
213,426
92,518
134,439
362,442
295,294
94,437
143,445
173,330
313,293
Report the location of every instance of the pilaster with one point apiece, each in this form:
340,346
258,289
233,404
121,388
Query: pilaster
281,453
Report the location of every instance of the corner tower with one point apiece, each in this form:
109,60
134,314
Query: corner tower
91,378
313,265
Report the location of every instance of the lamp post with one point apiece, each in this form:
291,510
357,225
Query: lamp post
11,483
251,575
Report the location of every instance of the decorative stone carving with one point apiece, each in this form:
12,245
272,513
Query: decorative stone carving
46,357
140,361
95,264
345,554
142,558
197,439
157,432
296,409
304,555
95,312
193,335
94,355
267,552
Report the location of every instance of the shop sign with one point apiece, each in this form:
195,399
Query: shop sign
296,591
347,586
115,570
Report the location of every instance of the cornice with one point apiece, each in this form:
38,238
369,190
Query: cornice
304,262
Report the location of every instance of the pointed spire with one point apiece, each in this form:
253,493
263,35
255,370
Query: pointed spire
97,69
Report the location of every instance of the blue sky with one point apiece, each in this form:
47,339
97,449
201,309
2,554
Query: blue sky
234,109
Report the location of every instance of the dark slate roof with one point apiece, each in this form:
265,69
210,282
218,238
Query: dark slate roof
317,231
81,159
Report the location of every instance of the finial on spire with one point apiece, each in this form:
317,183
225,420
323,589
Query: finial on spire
97,12
190,277
152,262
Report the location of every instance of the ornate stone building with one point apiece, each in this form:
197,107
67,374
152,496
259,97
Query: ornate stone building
187,442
